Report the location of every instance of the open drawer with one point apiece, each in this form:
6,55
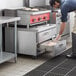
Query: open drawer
56,48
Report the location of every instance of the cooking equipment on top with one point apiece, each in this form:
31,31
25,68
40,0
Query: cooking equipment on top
32,16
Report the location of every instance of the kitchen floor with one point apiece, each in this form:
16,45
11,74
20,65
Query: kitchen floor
24,64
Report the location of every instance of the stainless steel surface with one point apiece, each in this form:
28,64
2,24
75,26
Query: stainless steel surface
45,35
7,56
10,12
15,33
0,13
44,7
4,19
26,16
30,12
45,32
27,13
1,38
33,3
56,48
28,40
47,2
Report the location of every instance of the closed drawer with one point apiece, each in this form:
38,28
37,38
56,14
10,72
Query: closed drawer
56,48
45,35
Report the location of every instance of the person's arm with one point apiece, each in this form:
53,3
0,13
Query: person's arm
64,12
62,27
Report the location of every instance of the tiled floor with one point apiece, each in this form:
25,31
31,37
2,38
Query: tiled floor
24,64
58,66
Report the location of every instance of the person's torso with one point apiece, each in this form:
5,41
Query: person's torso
70,3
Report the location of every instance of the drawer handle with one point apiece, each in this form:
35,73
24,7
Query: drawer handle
61,45
46,33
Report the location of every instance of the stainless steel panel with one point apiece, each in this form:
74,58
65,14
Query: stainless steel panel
25,19
47,2
56,48
11,13
5,56
45,32
33,3
26,41
0,13
45,35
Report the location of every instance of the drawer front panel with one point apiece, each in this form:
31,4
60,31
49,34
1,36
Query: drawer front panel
45,35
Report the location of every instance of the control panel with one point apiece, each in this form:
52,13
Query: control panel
39,18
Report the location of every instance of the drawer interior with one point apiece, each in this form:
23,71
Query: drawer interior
48,45
56,48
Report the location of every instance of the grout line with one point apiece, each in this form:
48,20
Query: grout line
70,71
56,73
55,67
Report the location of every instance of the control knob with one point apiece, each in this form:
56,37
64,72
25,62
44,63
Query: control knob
39,19
33,20
45,17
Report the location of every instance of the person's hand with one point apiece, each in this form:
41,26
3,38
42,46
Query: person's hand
54,41
58,37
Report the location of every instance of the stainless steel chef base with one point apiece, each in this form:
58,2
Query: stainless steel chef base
29,40
55,49
29,44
